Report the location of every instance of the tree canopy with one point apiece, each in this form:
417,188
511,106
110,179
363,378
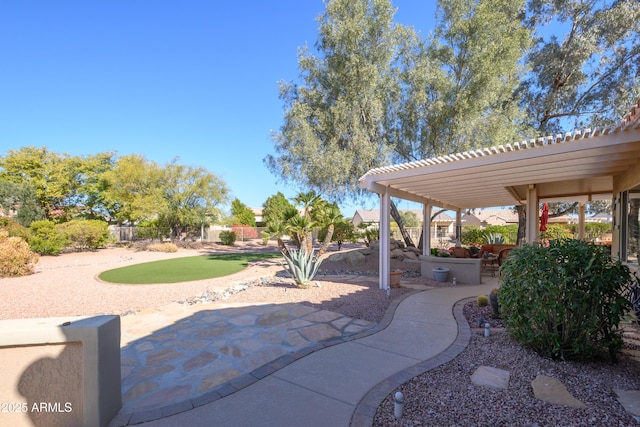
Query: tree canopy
376,92
130,188
242,213
492,72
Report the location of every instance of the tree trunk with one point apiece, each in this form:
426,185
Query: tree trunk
433,216
326,242
396,217
522,224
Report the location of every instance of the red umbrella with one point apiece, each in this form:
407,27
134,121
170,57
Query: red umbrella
544,217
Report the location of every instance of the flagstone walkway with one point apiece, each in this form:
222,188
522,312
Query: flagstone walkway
183,352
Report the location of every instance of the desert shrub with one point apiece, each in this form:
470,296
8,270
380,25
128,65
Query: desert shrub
152,229
14,229
265,236
556,232
188,244
85,234
16,259
162,247
46,239
227,237
244,232
472,235
565,301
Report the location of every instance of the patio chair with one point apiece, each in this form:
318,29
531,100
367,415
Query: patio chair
460,252
502,255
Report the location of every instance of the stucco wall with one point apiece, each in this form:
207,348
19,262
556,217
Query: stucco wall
41,385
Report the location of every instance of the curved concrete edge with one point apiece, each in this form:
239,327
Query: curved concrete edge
366,409
245,380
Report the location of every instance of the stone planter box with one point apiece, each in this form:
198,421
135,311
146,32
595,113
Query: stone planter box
465,270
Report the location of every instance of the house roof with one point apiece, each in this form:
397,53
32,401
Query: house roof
582,163
494,216
373,215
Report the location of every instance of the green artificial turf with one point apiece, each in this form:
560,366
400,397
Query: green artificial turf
184,269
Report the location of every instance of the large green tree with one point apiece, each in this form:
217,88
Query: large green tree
63,184
457,87
333,126
132,189
584,69
191,196
276,209
375,92
242,213
21,199
584,65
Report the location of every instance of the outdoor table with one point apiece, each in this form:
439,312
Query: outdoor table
491,261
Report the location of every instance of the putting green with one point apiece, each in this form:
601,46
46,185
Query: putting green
184,269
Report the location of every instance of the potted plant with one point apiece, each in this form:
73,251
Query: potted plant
440,274
394,279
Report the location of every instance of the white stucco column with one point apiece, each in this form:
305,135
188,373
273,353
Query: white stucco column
426,229
533,218
582,209
385,232
458,226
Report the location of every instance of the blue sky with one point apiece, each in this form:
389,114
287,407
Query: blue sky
193,79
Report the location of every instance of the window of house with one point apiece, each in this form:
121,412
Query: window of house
631,215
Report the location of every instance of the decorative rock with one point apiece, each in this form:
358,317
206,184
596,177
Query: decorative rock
488,376
354,258
410,255
413,249
365,251
553,391
397,253
630,400
374,245
336,257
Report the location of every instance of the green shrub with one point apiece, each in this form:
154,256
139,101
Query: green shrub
14,229
482,300
565,301
46,239
162,247
16,259
556,232
85,234
265,236
227,237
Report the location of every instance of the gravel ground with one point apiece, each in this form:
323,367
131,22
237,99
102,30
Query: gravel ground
67,285
445,396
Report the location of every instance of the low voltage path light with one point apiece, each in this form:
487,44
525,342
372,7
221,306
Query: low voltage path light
398,404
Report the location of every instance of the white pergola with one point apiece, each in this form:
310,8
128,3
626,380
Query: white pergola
581,166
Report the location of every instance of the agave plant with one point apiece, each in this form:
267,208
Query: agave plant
302,265
494,238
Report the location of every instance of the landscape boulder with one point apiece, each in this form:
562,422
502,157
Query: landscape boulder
354,258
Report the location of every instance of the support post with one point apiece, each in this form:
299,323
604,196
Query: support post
533,215
385,244
581,214
426,229
458,227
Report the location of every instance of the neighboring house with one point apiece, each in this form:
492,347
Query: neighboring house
485,217
602,217
441,226
563,219
257,212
